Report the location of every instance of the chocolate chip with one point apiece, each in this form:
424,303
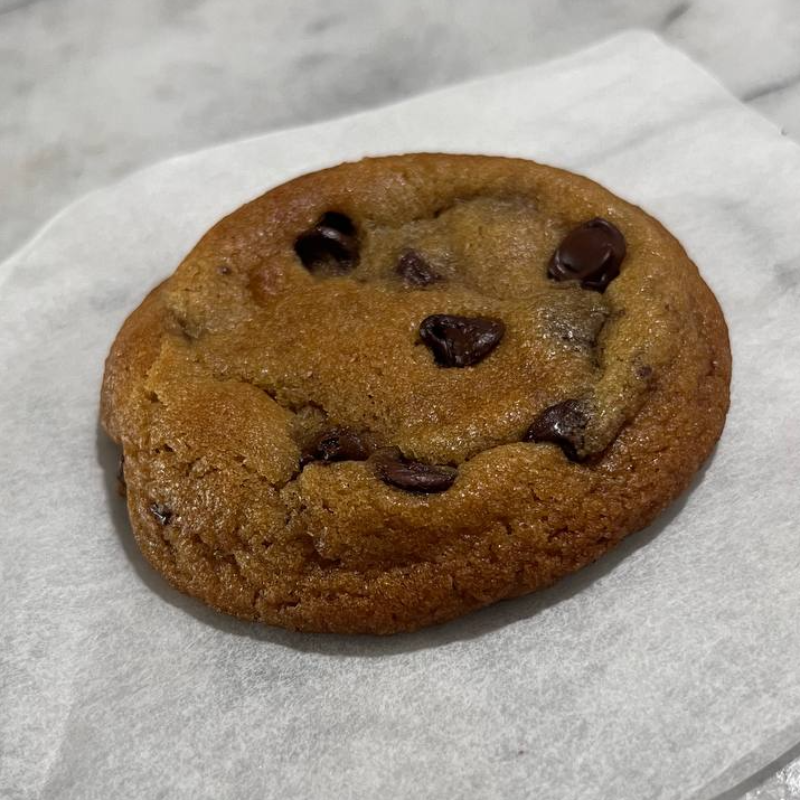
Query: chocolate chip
122,487
644,371
161,513
338,221
415,270
562,424
337,444
591,254
331,245
460,341
413,476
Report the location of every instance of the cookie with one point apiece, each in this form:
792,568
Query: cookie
387,393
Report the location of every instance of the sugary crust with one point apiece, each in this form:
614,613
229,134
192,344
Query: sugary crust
215,379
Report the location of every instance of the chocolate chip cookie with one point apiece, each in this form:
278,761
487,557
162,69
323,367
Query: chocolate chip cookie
387,393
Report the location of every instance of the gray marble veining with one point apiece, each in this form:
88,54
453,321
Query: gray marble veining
91,90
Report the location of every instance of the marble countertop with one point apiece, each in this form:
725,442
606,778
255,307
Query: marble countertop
91,90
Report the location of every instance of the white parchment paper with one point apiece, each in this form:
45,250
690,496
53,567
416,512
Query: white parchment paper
670,669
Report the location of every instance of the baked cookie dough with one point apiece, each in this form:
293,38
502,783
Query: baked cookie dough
387,393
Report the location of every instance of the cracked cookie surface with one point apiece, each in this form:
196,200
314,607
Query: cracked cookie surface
390,392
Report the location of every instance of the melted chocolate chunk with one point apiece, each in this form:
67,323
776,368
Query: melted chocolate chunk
161,513
337,444
415,270
562,424
331,245
413,476
122,487
591,253
460,341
